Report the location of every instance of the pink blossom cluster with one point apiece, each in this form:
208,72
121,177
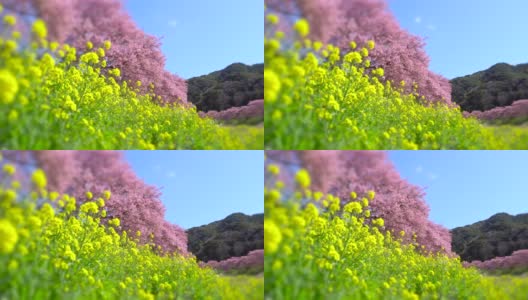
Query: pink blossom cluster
518,259
401,204
135,203
254,260
398,52
254,110
518,111
137,54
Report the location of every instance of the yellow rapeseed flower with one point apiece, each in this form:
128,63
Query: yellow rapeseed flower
364,202
272,236
379,221
9,236
302,27
39,178
8,86
272,85
364,52
371,44
90,207
12,116
353,207
273,169
39,29
10,20
9,169
272,19
303,178
115,221
107,45
10,196
317,45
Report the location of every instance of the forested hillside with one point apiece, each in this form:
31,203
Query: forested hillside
500,85
500,235
236,235
234,86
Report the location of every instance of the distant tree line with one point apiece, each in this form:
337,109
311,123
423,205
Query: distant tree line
234,86
500,85
236,235
500,235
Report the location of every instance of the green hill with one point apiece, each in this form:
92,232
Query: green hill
236,235
234,86
500,85
500,235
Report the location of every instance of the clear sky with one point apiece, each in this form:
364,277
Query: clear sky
466,36
202,36
464,187
200,187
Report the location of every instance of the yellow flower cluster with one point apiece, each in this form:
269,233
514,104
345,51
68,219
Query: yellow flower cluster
53,96
303,178
39,29
273,169
343,101
62,251
330,253
39,179
8,86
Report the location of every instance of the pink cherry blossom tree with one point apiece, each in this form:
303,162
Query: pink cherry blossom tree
518,260
400,203
253,261
134,202
397,51
517,112
137,54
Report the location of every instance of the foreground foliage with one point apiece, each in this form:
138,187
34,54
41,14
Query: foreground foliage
318,98
52,248
55,98
317,249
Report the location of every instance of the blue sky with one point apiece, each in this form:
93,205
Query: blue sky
202,36
199,187
466,36
467,186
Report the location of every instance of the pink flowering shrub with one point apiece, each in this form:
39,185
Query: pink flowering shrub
251,263
397,51
134,202
400,203
251,113
515,113
517,261
137,54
